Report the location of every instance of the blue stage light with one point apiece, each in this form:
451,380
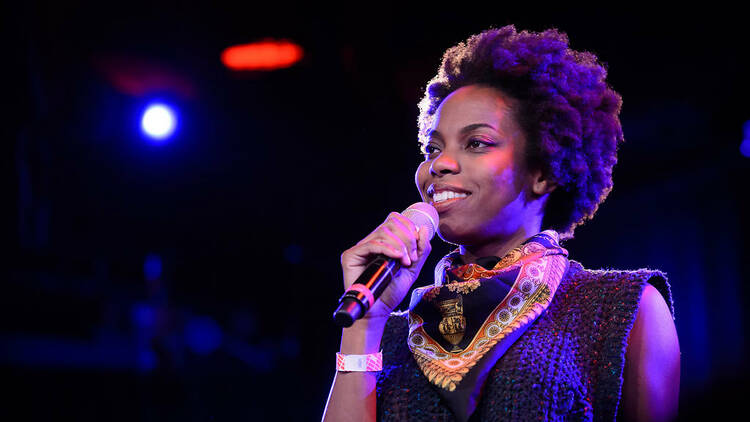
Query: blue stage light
152,267
158,121
745,145
203,335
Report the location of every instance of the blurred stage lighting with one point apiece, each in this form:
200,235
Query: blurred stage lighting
152,267
203,335
263,55
745,145
158,121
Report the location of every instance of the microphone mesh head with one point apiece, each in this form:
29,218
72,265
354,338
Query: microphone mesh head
423,214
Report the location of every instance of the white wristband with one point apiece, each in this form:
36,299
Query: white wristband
359,363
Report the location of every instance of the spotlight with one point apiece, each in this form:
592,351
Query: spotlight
158,121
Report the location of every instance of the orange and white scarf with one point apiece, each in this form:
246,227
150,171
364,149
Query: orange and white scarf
462,324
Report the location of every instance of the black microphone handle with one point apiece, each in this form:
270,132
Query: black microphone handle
376,277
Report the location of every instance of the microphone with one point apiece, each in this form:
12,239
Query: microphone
378,274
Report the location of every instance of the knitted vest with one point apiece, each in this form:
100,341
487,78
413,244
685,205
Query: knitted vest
567,366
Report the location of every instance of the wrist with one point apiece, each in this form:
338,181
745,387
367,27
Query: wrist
363,337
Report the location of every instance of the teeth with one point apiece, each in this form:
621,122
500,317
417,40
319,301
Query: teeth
446,195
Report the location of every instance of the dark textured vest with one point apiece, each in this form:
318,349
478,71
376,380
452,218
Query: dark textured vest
567,366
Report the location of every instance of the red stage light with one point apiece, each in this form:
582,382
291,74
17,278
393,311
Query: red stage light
138,76
262,55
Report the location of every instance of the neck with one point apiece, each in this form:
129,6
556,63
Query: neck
497,246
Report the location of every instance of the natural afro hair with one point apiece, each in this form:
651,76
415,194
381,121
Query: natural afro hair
564,105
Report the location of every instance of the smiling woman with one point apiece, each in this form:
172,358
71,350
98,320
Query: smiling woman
520,135
485,162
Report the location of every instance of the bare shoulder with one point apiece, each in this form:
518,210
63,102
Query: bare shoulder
655,317
652,362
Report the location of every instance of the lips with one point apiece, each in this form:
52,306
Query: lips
443,196
442,187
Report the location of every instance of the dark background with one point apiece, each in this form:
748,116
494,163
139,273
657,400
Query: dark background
195,279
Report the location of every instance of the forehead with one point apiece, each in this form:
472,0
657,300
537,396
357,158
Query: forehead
474,104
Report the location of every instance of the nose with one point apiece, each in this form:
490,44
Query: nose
444,164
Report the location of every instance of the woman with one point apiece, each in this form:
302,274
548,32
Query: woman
520,135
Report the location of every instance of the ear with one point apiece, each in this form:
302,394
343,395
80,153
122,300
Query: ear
540,184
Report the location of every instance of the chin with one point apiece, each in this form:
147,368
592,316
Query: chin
456,236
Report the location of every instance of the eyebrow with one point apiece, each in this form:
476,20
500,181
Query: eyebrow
464,130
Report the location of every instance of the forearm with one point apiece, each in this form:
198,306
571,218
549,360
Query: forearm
353,396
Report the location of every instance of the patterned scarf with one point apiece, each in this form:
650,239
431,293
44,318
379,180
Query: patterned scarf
461,325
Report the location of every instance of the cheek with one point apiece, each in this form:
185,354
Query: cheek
420,176
501,187
494,171
504,179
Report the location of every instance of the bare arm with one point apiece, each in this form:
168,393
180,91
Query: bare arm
353,396
651,382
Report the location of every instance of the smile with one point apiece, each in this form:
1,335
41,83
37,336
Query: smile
447,195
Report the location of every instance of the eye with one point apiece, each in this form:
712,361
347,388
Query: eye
478,143
428,150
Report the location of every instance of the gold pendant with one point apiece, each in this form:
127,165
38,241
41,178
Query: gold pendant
453,324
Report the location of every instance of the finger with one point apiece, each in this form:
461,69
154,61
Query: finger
369,237
384,236
385,248
396,242
372,235
406,231
374,247
405,221
424,240
360,255
393,215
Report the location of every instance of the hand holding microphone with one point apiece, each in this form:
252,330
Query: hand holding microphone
380,269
